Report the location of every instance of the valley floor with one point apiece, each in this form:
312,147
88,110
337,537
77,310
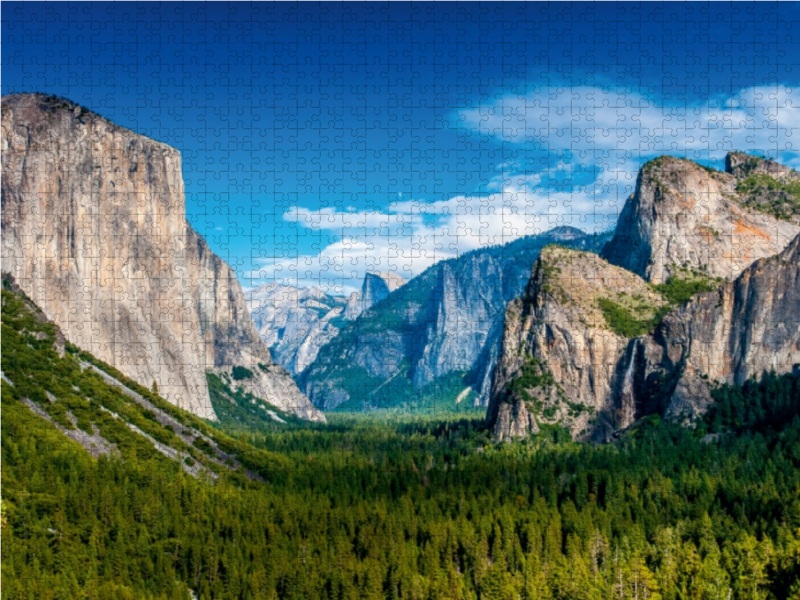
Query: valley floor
361,509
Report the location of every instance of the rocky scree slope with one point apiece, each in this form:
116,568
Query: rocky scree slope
95,232
437,336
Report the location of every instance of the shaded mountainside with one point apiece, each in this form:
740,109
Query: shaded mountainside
112,493
589,346
95,232
683,215
296,322
438,335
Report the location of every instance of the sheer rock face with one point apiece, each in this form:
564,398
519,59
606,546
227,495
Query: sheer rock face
95,232
376,287
296,322
559,359
749,325
557,340
682,214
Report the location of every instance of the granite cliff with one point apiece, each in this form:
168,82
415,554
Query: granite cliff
295,322
435,339
683,215
375,287
740,330
594,346
559,356
95,233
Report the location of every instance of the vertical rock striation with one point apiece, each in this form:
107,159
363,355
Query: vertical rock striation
95,232
746,327
589,346
295,322
559,356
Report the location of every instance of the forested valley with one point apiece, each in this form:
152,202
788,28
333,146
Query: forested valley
412,508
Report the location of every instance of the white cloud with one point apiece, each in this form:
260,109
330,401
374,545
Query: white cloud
615,130
599,121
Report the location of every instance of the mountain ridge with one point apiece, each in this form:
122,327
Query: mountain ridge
447,320
675,329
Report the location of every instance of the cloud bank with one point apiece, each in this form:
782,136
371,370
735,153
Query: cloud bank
607,133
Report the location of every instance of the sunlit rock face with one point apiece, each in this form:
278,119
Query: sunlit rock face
95,232
559,358
561,363
683,215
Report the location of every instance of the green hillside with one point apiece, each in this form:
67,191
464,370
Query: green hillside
357,510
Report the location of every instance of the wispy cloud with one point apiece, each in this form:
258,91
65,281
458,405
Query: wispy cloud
605,133
596,122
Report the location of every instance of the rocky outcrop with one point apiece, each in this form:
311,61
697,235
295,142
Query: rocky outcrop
95,232
446,321
376,287
589,347
566,358
742,166
559,355
295,322
683,215
744,328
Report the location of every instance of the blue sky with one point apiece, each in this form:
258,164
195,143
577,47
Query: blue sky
321,140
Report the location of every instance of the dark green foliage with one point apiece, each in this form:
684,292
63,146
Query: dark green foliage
678,290
773,401
768,195
240,373
411,509
536,376
622,321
